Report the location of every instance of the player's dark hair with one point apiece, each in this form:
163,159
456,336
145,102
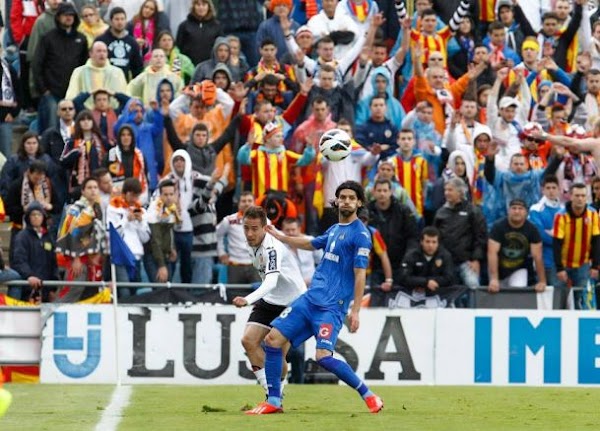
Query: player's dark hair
165,183
553,179
266,42
428,12
132,185
87,180
431,232
270,79
381,181
377,97
550,15
576,186
256,212
496,25
350,185
405,130
117,11
318,100
99,173
38,166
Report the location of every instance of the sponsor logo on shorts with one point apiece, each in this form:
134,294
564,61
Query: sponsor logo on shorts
325,331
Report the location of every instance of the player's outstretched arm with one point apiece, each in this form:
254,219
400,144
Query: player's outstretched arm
360,279
302,242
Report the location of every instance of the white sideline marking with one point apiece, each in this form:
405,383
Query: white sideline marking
114,412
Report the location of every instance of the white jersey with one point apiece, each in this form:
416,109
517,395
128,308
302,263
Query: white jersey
282,281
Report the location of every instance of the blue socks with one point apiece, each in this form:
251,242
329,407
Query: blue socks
345,374
273,369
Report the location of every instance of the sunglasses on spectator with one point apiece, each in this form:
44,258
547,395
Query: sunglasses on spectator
67,108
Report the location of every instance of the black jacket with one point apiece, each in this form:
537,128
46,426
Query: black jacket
123,53
398,227
417,271
34,255
195,38
463,231
57,55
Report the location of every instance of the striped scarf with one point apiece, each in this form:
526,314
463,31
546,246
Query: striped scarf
361,11
41,192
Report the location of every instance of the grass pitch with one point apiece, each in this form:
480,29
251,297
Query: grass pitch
309,407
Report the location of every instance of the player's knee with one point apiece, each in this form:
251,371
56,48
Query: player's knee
249,343
273,340
322,353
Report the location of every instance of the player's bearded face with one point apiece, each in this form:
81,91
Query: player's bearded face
348,203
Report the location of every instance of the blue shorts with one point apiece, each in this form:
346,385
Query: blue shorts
302,320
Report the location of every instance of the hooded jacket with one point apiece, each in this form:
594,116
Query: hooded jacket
145,85
541,214
33,253
145,133
197,196
58,54
205,69
196,36
222,67
395,112
184,186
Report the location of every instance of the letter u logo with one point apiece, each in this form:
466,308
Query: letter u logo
63,342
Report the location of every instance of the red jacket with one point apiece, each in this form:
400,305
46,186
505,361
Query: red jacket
20,24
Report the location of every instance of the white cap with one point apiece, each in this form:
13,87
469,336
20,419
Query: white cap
506,101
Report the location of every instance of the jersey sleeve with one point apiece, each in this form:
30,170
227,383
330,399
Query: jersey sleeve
363,249
321,241
273,257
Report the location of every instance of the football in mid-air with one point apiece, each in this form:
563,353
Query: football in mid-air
335,145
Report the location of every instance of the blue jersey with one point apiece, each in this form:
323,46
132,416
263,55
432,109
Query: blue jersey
345,246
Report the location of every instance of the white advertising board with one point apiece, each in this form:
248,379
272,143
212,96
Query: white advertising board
201,345
20,335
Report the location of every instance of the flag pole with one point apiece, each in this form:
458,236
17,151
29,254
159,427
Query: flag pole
113,281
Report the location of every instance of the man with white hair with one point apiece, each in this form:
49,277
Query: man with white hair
97,73
463,231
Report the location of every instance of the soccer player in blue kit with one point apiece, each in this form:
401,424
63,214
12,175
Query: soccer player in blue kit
320,312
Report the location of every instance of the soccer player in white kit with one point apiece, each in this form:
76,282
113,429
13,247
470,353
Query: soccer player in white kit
282,283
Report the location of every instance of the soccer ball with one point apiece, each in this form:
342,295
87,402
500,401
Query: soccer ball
335,145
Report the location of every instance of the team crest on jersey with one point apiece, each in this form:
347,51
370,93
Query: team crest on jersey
325,331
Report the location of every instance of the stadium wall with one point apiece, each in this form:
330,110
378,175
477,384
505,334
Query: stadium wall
201,345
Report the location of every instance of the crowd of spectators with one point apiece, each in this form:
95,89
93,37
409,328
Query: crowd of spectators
475,130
